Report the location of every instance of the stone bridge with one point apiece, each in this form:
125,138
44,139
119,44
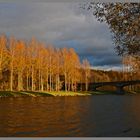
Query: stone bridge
118,84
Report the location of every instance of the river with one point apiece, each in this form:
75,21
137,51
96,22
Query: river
88,116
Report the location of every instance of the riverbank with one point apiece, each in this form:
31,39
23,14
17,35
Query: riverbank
54,93
112,92
37,93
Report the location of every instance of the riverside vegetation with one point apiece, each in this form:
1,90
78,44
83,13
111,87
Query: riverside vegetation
33,68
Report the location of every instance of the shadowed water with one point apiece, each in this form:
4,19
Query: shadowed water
95,116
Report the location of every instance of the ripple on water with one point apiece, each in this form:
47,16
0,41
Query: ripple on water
70,116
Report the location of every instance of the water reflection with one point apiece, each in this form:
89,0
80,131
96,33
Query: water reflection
109,115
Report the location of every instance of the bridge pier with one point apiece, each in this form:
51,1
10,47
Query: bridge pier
120,90
94,89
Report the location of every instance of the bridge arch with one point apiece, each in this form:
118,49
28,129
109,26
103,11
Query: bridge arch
118,84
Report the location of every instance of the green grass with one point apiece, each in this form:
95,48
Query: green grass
68,93
6,94
37,93
11,94
98,92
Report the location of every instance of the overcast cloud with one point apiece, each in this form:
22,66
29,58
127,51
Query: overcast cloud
64,25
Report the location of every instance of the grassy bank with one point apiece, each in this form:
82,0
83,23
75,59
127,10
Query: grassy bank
54,93
98,92
37,93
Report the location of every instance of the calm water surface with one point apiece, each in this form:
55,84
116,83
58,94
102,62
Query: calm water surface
94,116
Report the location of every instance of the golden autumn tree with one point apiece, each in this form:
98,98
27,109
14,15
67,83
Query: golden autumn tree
33,57
33,65
132,67
3,62
27,71
20,62
41,65
45,68
38,65
3,53
56,69
86,68
12,57
65,65
74,69
50,65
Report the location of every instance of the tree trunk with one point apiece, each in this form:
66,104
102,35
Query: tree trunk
32,79
58,83
27,81
75,85
50,81
1,56
65,82
47,80
42,84
72,85
69,84
39,79
86,84
52,84
20,82
11,78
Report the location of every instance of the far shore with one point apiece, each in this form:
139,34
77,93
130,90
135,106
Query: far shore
54,93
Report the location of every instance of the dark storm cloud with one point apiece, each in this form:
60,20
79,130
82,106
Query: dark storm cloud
63,24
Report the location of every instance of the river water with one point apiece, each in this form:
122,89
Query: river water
90,116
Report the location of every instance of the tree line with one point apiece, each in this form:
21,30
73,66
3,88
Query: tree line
36,66
130,71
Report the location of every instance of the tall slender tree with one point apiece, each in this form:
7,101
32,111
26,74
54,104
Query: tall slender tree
3,53
65,64
20,62
12,56
86,68
33,55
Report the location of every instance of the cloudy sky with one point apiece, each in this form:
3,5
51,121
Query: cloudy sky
64,24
